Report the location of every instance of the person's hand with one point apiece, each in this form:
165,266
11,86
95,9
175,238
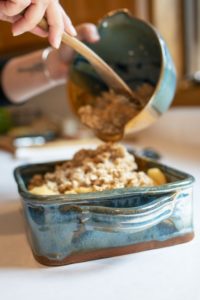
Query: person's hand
60,60
26,14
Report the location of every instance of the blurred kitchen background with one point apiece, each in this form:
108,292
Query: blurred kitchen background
177,20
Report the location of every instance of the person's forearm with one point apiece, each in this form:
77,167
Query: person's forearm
29,75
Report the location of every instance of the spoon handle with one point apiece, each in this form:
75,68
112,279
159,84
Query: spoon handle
106,73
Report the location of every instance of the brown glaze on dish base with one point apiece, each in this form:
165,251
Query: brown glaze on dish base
110,252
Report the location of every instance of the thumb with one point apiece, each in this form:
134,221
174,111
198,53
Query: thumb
87,32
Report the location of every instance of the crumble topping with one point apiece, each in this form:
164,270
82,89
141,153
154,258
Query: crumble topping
109,166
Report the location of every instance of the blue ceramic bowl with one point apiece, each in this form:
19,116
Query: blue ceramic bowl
65,229
137,52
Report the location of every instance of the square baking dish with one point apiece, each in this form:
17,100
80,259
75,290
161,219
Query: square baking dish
65,229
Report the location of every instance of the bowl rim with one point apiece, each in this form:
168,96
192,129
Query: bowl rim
185,180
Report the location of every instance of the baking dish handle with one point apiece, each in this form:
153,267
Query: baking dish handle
128,219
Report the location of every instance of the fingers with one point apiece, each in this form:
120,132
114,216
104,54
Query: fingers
33,11
32,16
56,25
14,7
9,19
88,32
57,19
58,22
39,32
69,28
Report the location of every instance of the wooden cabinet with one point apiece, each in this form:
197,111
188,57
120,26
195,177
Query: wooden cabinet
10,45
79,11
92,11
166,15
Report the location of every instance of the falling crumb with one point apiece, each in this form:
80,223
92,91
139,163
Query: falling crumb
110,112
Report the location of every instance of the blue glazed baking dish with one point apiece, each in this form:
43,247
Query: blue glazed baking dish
65,229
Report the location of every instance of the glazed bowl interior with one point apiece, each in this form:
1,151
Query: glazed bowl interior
140,56
130,46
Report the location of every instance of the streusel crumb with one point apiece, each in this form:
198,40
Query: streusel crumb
109,166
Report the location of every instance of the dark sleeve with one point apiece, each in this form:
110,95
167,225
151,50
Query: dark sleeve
4,101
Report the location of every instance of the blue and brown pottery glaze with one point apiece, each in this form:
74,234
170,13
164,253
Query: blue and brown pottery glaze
65,229
137,52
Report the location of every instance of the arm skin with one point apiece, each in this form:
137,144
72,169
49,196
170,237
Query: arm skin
29,75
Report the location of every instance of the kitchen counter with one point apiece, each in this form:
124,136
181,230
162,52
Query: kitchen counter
167,273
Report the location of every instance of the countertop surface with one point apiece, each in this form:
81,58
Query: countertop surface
168,273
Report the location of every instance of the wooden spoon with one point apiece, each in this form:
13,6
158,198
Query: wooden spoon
107,74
